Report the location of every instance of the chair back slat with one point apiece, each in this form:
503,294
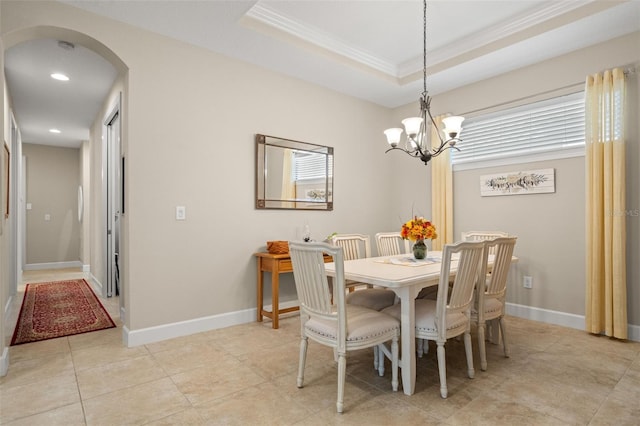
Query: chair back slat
354,246
312,285
503,249
483,236
391,244
470,264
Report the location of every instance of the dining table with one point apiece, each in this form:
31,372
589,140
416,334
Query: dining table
406,276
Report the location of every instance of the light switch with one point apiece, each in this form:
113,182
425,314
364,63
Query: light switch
28,206
181,213
47,217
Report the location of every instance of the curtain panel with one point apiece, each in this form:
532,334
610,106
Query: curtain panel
606,287
441,191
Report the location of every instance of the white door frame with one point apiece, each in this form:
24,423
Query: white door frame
111,199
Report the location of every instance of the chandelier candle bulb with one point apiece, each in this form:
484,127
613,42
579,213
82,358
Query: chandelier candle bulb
393,136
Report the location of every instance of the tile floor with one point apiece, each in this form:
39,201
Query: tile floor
246,375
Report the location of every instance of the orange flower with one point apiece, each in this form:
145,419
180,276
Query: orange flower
418,229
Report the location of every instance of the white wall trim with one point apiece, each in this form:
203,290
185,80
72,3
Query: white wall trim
86,268
184,328
4,362
7,308
97,285
213,322
559,318
52,265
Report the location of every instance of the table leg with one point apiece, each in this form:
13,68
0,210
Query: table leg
260,290
275,291
407,297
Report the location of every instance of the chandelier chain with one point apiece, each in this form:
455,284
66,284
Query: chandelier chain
424,47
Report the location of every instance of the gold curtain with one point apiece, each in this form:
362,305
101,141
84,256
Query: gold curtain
441,192
606,292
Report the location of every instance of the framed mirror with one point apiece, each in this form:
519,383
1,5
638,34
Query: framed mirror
293,175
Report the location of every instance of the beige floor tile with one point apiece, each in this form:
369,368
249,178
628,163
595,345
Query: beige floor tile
188,417
571,404
37,369
188,356
110,336
264,405
379,410
69,415
219,379
118,375
246,374
490,411
37,397
39,349
619,410
96,356
136,405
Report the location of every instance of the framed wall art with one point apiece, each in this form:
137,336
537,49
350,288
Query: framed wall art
518,183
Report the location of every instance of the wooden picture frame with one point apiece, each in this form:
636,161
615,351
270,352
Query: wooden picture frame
6,179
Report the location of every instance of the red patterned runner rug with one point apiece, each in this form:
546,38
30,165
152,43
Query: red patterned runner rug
57,309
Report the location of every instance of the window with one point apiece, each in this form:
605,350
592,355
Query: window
308,165
543,130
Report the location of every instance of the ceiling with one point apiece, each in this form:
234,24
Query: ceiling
371,50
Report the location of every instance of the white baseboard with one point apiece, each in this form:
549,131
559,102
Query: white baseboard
53,265
7,307
4,362
559,318
199,325
95,283
185,328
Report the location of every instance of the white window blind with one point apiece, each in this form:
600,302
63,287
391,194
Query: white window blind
553,125
310,166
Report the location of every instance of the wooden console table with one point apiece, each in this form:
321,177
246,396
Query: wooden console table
276,264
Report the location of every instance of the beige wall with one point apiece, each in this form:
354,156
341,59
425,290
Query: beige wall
189,141
52,189
550,227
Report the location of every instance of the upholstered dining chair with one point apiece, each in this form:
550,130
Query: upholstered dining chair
439,320
391,244
358,246
490,303
338,325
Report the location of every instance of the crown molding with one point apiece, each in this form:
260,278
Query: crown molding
407,70
302,31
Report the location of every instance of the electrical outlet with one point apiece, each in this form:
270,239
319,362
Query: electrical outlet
181,213
527,282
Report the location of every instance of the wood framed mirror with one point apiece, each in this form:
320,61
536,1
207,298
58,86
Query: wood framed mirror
293,175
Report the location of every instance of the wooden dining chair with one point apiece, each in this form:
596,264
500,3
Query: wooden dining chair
490,304
341,326
439,320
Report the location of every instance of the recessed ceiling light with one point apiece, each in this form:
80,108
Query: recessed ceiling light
59,76
54,130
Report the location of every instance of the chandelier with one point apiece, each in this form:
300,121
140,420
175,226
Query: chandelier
416,142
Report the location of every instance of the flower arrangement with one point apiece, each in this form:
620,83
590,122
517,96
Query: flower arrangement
418,229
